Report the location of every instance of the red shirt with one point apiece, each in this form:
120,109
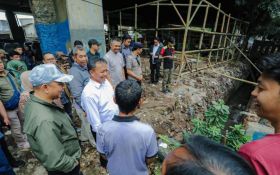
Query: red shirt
263,154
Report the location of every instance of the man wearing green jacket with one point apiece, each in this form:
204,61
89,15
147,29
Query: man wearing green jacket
49,129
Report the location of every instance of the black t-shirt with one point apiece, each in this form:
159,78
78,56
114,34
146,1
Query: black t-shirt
168,62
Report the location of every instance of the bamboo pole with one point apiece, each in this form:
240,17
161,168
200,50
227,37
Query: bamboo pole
195,11
177,4
178,13
202,34
220,39
185,39
245,56
215,29
225,40
157,20
230,45
141,5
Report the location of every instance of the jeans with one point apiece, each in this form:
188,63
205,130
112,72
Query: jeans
155,68
5,167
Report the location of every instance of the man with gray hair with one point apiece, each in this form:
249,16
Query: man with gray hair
115,62
81,77
49,129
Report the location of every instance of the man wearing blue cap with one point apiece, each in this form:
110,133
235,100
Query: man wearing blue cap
49,129
133,64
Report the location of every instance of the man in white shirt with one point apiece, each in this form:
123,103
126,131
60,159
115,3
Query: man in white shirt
98,96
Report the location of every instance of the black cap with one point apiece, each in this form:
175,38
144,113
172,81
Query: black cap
126,36
137,45
93,42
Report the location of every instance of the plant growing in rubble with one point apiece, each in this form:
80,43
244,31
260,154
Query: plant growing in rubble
213,126
236,137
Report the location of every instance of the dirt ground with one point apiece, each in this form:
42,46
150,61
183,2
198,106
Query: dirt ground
169,114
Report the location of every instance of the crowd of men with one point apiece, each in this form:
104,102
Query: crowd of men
37,103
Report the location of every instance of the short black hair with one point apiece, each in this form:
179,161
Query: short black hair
270,66
128,94
126,36
17,45
78,42
95,61
210,158
157,38
13,53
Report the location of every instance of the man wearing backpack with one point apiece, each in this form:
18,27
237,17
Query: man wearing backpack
9,95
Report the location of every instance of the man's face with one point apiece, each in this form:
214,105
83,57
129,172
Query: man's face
170,45
54,89
2,67
95,47
49,59
139,51
19,50
15,57
100,72
127,42
116,46
81,58
156,42
2,56
267,95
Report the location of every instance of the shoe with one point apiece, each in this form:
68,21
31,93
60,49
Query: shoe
164,91
18,164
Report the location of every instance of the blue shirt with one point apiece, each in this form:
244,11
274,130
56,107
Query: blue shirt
126,143
80,80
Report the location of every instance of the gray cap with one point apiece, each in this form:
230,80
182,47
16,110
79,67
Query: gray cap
46,73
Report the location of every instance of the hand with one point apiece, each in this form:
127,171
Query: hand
140,78
7,121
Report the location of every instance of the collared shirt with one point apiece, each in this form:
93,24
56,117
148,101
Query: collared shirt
92,57
126,143
80,80
51,135
134,64
126,51
98,103
115,65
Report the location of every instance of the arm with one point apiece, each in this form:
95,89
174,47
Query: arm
129,71
152,149
90,105
4,114
54,157
76,87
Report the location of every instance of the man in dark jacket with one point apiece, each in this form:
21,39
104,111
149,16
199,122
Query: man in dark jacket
154,60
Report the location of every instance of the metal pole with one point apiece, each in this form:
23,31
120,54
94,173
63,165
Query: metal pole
108,23
121,23
202,34
157,22
225,40
135,24
185,39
